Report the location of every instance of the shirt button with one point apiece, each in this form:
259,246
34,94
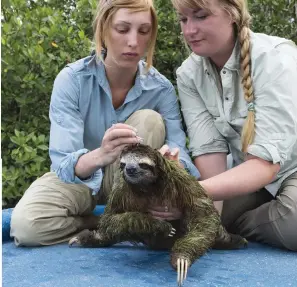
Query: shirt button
226,98
224,72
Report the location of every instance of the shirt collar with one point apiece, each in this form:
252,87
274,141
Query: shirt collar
97,67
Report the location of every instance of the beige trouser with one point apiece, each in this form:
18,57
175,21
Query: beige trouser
261,217
52,211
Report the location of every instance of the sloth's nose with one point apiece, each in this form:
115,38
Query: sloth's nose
131,170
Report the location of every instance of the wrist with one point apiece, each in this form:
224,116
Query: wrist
98,158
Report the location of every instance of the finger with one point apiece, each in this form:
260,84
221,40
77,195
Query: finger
164,150
175,153
125,141
170,218
164,215
161,208
159,218
120,133
122,126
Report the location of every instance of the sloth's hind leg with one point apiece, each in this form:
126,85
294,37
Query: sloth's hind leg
225,240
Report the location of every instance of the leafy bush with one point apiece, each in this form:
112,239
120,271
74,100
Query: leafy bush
40,37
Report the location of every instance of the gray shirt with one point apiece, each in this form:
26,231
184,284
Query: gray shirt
215,110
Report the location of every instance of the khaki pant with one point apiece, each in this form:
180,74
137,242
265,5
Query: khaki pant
261,217
52,211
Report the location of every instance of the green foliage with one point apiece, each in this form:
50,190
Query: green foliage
275,17
40,37
170,50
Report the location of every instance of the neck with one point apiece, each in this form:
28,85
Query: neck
118,77
221,58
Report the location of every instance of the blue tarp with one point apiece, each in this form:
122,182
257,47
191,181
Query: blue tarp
126,265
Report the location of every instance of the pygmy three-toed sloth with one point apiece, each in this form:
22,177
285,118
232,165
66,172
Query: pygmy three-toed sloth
147,178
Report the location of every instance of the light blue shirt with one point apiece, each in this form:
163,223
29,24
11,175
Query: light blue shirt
81,111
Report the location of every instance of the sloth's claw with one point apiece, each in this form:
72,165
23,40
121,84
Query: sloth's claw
172,232
182,269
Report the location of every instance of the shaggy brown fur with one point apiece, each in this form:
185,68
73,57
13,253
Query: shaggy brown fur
126,218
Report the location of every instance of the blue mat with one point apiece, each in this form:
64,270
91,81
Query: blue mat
126,265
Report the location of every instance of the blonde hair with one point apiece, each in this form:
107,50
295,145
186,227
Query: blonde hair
238,11
105,11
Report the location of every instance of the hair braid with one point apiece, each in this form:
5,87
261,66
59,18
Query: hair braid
248,131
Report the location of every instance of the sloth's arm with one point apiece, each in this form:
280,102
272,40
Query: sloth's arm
131,224
202,222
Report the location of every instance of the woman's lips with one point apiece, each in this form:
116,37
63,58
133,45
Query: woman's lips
130,54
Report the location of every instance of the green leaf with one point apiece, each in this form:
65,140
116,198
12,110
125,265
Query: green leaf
42,147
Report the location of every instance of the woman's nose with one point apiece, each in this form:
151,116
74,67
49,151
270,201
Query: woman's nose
190,28
132,39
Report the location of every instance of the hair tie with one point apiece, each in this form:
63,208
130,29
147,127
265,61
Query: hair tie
251,107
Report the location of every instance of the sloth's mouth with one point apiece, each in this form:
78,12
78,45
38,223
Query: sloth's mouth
131,177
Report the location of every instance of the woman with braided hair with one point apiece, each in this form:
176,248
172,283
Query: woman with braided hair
238,93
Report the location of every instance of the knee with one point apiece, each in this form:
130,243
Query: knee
150,119
150,127
23,228
287,210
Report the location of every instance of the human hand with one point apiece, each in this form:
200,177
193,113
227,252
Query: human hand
164,213
115,139
170,154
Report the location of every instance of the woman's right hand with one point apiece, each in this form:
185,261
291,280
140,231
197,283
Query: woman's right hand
115,139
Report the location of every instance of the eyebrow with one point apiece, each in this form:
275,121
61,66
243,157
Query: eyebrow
194,11
128,23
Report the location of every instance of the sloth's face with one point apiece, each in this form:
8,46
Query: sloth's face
138,169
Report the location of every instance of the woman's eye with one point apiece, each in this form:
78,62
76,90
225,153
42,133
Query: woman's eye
144,32
183,20
122,31
201,17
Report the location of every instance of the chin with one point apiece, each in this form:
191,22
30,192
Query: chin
201,51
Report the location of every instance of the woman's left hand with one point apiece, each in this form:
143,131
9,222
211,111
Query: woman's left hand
164,213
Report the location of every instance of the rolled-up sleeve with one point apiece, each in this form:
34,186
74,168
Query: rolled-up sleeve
175,136
203,135
67,130
275,107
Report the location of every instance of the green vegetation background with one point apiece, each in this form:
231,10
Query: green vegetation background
40,37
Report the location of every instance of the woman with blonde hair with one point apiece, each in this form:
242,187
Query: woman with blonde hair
99,105
238,93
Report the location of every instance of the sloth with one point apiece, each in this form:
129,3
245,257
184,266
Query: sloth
146,178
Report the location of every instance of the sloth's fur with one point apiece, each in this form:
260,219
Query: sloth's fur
146,178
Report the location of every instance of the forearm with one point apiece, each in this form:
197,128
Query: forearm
246,178
211,164
88,163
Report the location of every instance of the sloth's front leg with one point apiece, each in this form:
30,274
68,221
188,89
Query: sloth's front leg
133,224
90,238
128,226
